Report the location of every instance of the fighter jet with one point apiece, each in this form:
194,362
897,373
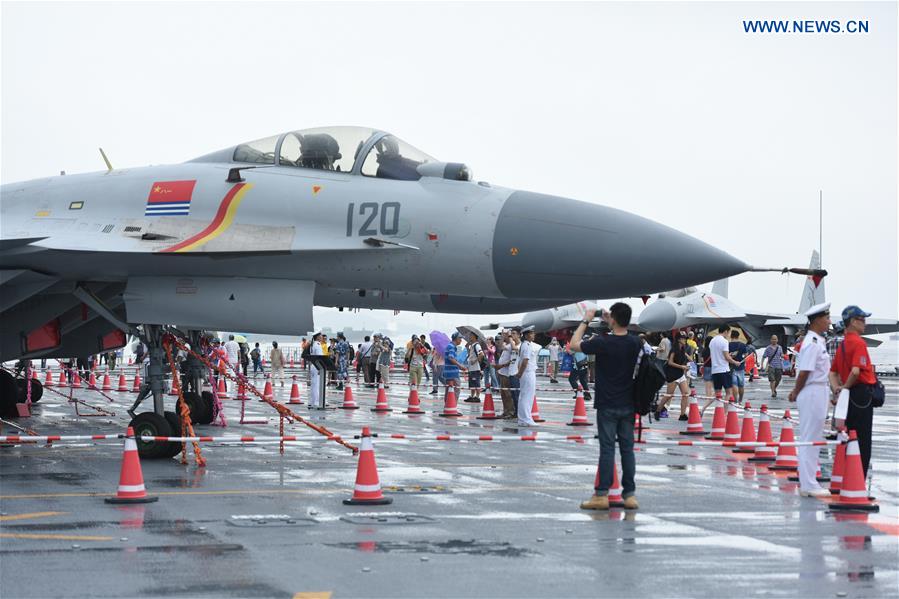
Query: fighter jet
250,237
689,307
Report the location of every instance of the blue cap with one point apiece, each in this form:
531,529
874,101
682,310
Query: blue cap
850,312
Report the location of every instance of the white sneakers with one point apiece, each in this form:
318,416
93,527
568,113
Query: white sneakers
819,492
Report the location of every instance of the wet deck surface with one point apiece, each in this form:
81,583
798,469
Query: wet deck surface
468,519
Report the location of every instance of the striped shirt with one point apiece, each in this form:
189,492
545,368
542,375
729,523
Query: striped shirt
774,354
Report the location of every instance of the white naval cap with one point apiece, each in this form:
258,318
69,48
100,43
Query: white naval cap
817,309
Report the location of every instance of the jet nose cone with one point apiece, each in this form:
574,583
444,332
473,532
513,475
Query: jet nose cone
657,316
541,320
546,246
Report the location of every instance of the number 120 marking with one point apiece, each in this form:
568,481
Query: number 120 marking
388,224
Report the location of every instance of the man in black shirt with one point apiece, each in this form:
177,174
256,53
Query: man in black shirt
616,354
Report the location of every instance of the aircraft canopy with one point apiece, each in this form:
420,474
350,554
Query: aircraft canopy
356,150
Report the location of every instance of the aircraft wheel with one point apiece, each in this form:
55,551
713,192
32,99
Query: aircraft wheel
196,407
209,403
9,392
151,423
37,390
174,421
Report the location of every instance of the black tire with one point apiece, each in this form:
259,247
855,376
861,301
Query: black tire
174,421
37,391
151,423
209,403
196,406
9,393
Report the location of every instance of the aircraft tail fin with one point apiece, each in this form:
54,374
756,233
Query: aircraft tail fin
720,286
813,291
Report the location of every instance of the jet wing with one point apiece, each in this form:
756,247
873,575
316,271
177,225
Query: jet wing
878,326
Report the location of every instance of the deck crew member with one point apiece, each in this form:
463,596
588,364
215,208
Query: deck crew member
812,395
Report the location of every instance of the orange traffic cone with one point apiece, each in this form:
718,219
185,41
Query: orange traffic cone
489,410
91,381
62,381
732,424
786,454
368,488
76,380
241,390
135,387
295,393
123,384
222,391
48,380
414,403
107,384
717,421
174,387
450,409
853,495
836,473
131,479
381,402
764,454
348,402
694,421
747,435
615,499
580,410
267,392
535,411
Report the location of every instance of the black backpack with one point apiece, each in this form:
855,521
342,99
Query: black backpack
648,380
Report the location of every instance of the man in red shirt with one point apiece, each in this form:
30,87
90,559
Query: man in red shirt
851,369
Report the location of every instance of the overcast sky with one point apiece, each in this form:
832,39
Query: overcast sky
667,110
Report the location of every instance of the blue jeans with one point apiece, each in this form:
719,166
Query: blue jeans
515,384
613,422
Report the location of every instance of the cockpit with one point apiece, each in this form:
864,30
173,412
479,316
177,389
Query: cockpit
353,150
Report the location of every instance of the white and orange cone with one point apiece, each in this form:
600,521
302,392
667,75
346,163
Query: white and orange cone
450,408
853,494
48,380
615,491
76,380
718,418
92,381
295,393
836,473
348,402
786,454
580,410
241,390
535,411
381,402
222,391
123,384
764,454
489,410
131,479
267,392
107,384
747,433
62,381
732,424
694,420
367,490
414,403
135,388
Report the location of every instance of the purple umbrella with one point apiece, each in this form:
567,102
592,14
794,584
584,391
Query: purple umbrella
439,341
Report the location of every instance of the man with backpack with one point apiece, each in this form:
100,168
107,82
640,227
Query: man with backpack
256,356
617,355
476,363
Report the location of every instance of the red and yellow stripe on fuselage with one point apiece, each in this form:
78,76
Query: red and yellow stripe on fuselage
224,217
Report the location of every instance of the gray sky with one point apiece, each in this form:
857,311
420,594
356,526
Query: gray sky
667,110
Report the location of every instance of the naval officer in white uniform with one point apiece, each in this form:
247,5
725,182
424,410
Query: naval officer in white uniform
315,386
813,396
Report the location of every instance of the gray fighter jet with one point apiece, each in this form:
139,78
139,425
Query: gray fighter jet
252,236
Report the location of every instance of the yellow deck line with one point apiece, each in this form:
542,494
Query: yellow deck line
5,535
30,515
